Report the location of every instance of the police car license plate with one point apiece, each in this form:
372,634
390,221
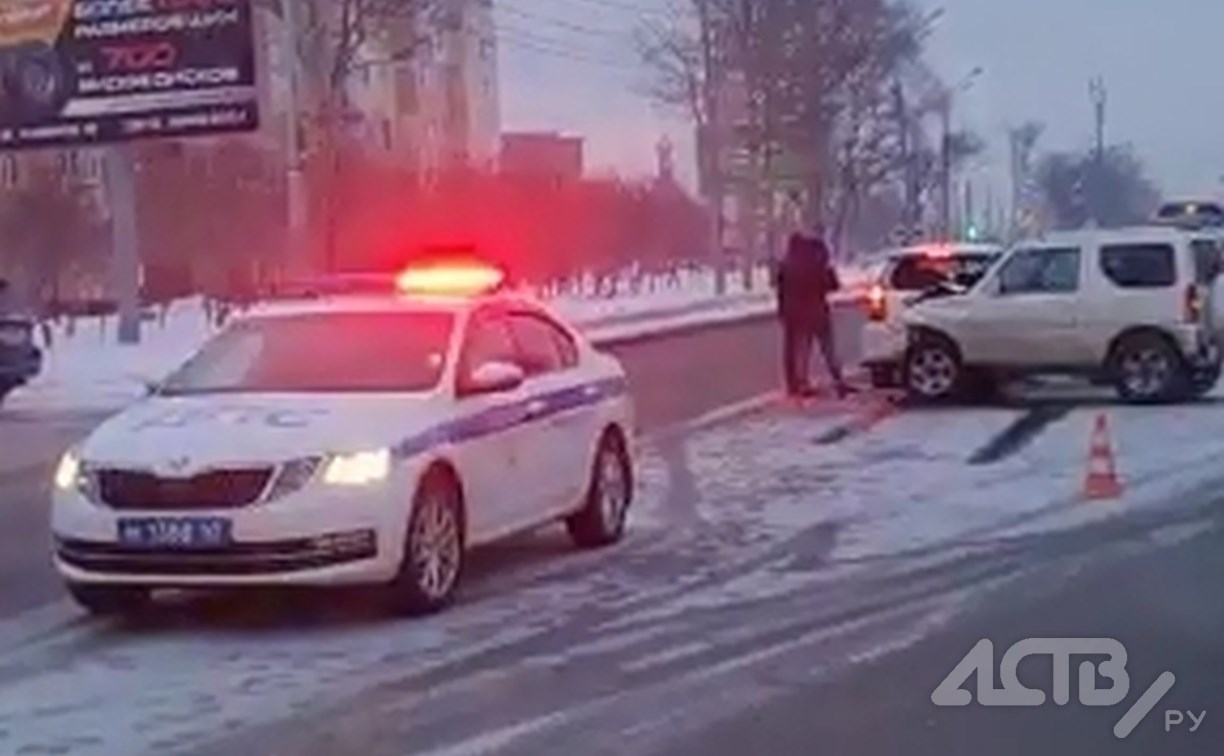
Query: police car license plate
176,533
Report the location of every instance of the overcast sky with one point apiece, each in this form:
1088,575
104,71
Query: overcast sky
570,65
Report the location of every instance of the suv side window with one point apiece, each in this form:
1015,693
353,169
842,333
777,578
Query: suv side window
1041,271
1140,266
541,346
488,340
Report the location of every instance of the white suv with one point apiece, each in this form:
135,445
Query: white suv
1132,308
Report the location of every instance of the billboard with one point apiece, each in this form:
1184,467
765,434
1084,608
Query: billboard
82,72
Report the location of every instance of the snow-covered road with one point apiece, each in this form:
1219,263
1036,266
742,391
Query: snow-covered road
794,541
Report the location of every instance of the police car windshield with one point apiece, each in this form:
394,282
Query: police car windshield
321,353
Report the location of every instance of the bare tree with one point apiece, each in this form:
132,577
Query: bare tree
47,227
1123,192
814,80
687,56
335,41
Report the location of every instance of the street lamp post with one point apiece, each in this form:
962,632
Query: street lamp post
295,177
945,113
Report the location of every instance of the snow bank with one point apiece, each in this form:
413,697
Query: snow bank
88,370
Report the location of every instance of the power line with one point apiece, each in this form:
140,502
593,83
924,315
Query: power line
551,47
625,5
562,24
535,35
569,45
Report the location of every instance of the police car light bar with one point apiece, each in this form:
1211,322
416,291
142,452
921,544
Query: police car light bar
450,279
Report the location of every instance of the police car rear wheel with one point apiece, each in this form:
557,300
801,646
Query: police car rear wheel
433,549
110,600
601,522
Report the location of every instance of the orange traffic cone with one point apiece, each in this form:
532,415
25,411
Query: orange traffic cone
1102,481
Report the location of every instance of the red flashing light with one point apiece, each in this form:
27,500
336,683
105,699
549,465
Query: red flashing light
450,279
938,251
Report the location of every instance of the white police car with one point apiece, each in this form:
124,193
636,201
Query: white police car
351,441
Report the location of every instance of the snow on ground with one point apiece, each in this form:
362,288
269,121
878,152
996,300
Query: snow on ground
906,488
1165,455
756,510
88,370
156,688
907,484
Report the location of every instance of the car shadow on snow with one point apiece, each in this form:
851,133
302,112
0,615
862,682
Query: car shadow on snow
525,560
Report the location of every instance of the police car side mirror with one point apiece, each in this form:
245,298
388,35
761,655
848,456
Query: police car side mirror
494,378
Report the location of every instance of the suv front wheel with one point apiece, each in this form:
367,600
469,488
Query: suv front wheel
1147,369
933,369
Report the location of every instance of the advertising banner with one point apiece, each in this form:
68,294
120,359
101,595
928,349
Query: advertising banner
82,72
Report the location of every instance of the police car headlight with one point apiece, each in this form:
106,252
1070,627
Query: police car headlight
68,472
360,469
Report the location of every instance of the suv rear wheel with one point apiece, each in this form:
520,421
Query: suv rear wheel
933,369
1147,369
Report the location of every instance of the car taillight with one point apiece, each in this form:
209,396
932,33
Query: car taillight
1193,304
877,304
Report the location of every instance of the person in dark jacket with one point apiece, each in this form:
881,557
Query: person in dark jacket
804,280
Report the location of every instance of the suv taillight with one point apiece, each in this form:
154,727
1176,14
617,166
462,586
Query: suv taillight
877,304
1193,312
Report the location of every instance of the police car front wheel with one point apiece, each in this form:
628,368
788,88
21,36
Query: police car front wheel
433,547
601,521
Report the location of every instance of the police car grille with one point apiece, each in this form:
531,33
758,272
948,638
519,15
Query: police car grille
215,489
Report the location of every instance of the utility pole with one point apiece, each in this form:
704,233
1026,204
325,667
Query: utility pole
945,168
969,221
909,214
1013,215
990,225
295,178
122,197
712,144
945,113
1096,194
1100,101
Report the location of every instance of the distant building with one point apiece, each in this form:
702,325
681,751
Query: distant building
444,103
544,155
427,112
